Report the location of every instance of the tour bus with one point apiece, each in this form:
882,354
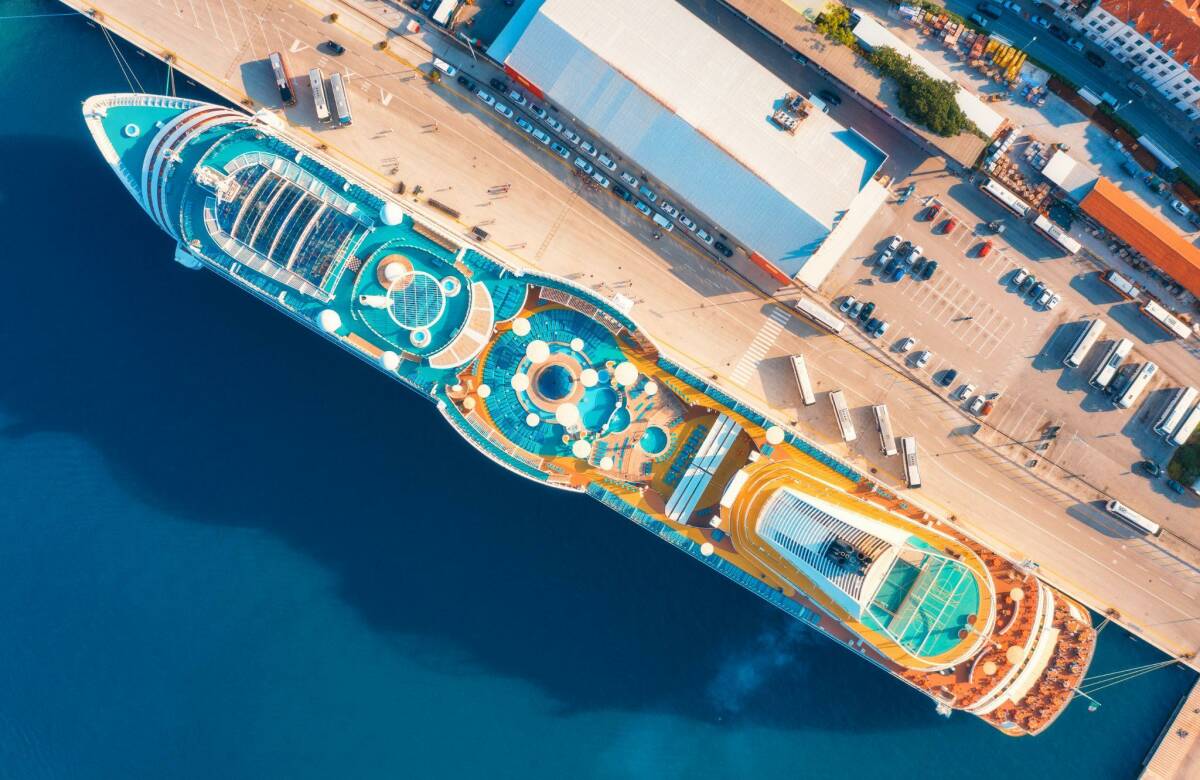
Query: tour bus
908,451
800,369
883,424
820,315
283,79
316,80
1112,360
1005,198
1137,385
842,413
1117,509
1175,411
1164,319
341,101
1084,344
1186,428
1122,285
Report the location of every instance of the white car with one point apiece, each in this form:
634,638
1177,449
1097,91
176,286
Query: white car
1019,276
541,135
907,344
976,405
629,179
704,236
554,124
584,166
884,256
687,222
1054,299
571,136
516,97
923,358
503,110
893,243
1045,297
669,209
846,303
965,392
1014,7
587,148
1179,207
485,97
915,253
607,161
601,179
538,111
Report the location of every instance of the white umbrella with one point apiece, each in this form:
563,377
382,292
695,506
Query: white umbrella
651,388
588,377
484,390
538,351
606,462
520,382
468,403
532,420
577,344
520,326
1015,654
774,435
567,414
707,549
626,374
581,448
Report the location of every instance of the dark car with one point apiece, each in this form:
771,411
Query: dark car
898,272
1094,58
872,324
1150,468
947,377
335,48
927,271
724,250
1178,488
917,267
470,85
621,193
1058,32
498,84
1028,284
990,10
830,97
1037,290
866,312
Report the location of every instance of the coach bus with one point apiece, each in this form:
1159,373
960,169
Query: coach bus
1137,385
1175,410
820,315
283,79
842,413
341,100
908,452
800,369
1084,344
1005,197
1164,319
316,80
1122,285
883,424
1186,428
1117,509
1056,234
1112,360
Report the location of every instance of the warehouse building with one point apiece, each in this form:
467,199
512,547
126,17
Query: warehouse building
678,102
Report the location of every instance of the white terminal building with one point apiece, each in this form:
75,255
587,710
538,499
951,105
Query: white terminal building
673,99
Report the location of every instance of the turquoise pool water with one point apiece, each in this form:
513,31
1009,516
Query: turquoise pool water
654,440
555,382
597,406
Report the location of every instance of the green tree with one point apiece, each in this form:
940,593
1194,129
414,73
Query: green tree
926,100
834,21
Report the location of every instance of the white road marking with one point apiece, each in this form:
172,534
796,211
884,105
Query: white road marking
763,341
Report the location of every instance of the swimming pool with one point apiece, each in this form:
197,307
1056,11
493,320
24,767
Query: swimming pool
597,406
654,440
555,382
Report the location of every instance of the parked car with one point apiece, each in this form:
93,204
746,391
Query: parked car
588,148
1019,276
1028,284
979,20
947,378
1179,208
879,329
601,179
932,212
1036,291
977,405
642,207
584,166
1150,468
884,257
914,254
855,310
923,358
560,150
872,324
1055,299
503,110
898,272
1175,486
1045,297
524,124
572,137
949,225
990,10
1094,58
916,267
629,179
498,84
622,193
893,243
867,311
607,161
1014,7
830,97
647,193
704,236
984,249
1076,44
467,83
1136,88
335,48
487,99
906,344
516,97
554,124
687,222
538,111
965,392
928,270
724,250
846,303
668,209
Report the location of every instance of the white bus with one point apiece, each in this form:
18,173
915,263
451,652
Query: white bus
820,315
1164,319
1186,428
1056,234
1137,385
1005,197
1122,285
283,79
1176,409
908,451
1084,344
341,100
800,369
316,80
883,424
1117,509
842,413
1112,360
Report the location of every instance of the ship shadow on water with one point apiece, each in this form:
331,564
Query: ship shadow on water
214,407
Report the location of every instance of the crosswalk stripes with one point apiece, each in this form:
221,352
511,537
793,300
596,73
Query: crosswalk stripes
763,341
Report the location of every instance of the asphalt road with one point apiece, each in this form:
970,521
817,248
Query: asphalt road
1155,117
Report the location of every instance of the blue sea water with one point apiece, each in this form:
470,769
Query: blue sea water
229,550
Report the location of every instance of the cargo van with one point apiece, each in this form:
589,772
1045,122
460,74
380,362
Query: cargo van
444,66
663,222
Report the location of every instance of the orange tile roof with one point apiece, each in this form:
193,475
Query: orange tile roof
1173,25
1145,231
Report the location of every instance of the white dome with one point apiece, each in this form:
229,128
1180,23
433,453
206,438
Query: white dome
519,382
520,326
390,360
588,377
538,351
484,391
581,449
391,214
651,388
469,403
532,419
606,462
329,320
706,549
577,344
774,435
567,414
626,374
392,272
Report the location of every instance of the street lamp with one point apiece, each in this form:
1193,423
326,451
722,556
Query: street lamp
1031,40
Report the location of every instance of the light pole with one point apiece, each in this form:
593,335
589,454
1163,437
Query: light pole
1031,40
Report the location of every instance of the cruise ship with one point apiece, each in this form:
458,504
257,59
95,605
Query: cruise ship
558,385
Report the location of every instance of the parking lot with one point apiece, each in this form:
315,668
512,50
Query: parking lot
1001,345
